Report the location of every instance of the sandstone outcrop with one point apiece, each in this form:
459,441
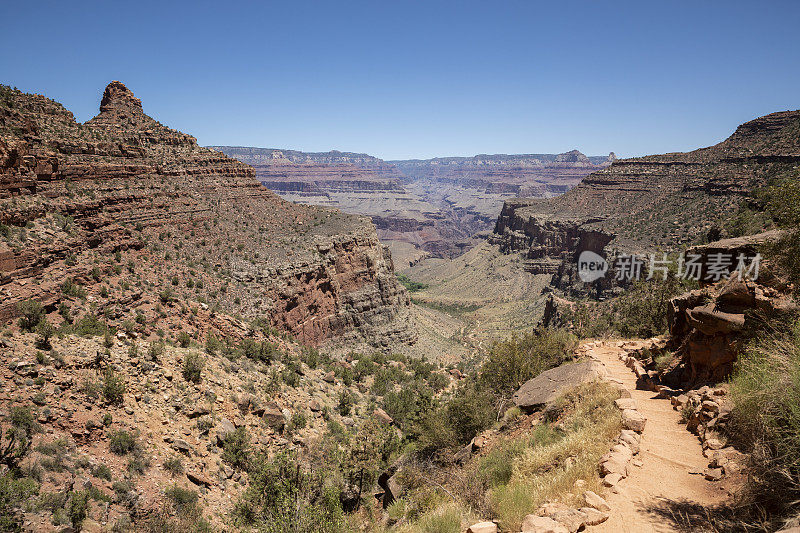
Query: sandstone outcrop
189,221
709,326
547,386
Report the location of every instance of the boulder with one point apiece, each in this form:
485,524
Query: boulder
541,524
382,416
593,516
614,464
625,403
708,320
483,527
630,439
572,519
547,386
594,500
633,420
274,417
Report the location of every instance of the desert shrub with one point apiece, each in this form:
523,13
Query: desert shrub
282,496
113,387
78,507
44,331
165,296
90,326
346,402
470,411
297,422
236,448
589,423
122,442
173,465
181,498
642,310
31,313
57,453
408,404
14,490
513,362
258,351
193,365
475,404
440,519
15,486
184,340
102,471
138,462
213,344
156,350
310,356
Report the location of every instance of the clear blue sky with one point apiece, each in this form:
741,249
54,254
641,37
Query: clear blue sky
402,79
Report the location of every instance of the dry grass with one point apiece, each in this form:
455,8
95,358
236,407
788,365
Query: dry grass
766,419
518,475
548,472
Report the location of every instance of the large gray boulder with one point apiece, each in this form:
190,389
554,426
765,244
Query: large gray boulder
547,386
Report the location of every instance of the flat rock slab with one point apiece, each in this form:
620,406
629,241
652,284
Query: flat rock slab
547,386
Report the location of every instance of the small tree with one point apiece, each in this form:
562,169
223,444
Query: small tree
78,506
44,330
31,312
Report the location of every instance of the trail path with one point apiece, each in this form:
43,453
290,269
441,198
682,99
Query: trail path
672,459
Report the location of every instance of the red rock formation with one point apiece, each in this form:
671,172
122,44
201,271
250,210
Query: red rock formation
123,182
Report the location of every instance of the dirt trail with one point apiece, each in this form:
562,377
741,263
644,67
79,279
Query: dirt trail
671,457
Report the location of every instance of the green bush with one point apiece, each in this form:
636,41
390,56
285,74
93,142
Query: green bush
78,507
122,442
346,402
113,387
236,448
181,498
513,362
184,340
765,388
193,365
102,471
44,330
282,496
31,312
174,465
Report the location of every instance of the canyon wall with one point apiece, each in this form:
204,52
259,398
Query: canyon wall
660,201
187,226
438,207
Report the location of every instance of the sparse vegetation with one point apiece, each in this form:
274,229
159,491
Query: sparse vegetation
122,442
193,365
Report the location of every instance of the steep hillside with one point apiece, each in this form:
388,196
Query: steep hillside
664,200
185,223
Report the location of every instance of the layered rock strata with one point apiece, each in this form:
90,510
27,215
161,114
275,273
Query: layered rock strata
72,194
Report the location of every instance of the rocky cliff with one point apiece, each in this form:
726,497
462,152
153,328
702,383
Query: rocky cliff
129,215
660,201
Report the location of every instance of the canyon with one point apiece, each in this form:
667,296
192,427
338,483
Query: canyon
421,208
